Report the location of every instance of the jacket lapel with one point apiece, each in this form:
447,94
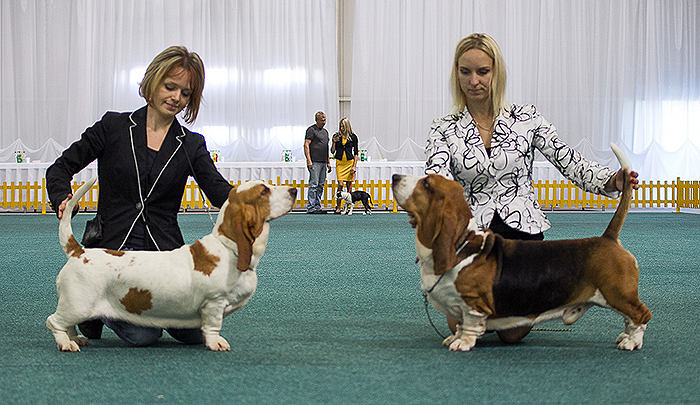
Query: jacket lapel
139,146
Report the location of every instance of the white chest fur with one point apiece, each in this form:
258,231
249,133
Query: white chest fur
441,290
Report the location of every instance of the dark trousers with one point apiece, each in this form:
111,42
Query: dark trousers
500,227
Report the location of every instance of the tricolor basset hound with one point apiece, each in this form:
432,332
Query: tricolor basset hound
194,286
490,283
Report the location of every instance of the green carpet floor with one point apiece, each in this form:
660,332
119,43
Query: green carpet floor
338,317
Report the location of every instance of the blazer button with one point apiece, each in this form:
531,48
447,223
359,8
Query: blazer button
138,206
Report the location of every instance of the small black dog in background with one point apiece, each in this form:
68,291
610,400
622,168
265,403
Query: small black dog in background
351,198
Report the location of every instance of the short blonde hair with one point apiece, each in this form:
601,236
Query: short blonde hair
488,45
163,64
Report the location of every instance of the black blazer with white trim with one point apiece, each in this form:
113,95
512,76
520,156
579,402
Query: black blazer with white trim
128,188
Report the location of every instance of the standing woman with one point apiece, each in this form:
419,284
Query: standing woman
144,159
488,146
346,153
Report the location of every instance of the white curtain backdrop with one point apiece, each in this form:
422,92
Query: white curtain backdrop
270,65
626,71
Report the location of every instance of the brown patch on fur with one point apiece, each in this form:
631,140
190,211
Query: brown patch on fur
616,275
475,282
86,260
74,248
114,252
204,261
244,219
136,301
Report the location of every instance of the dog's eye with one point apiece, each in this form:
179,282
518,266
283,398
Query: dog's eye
426,183
265,191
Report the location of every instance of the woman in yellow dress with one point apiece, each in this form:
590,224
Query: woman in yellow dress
346,153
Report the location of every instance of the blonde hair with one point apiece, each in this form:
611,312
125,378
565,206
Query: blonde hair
488,45
163,64
345,122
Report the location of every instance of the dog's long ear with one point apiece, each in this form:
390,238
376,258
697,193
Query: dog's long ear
237,226
435,227
447,230
245,236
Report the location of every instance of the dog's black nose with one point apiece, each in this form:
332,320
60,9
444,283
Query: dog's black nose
293,192
396,178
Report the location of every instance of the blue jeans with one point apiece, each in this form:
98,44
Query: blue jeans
136,335
317,180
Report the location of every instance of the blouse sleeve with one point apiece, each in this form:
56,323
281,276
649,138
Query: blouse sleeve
438,157
585,174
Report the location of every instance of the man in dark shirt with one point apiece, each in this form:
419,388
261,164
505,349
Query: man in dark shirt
317,161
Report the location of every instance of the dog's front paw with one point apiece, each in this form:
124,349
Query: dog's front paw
462,344
448,341
69,346
217,344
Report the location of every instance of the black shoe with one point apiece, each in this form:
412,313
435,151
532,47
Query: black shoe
91,329
316,212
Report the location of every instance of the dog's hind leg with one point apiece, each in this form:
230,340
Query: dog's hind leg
636,314
623,297
66,338
633,336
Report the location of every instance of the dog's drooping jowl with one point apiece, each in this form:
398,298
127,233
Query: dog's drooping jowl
351,198
487,282
194,286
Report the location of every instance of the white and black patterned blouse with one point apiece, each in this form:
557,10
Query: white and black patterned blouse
502,182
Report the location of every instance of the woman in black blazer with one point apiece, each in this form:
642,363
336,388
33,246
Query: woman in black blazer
345,150
144,159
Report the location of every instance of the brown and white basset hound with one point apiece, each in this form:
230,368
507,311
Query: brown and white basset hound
194,286
490,283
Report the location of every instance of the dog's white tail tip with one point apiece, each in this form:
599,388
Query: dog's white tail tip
624,162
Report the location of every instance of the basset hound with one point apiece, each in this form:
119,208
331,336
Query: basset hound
194,286
490,283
